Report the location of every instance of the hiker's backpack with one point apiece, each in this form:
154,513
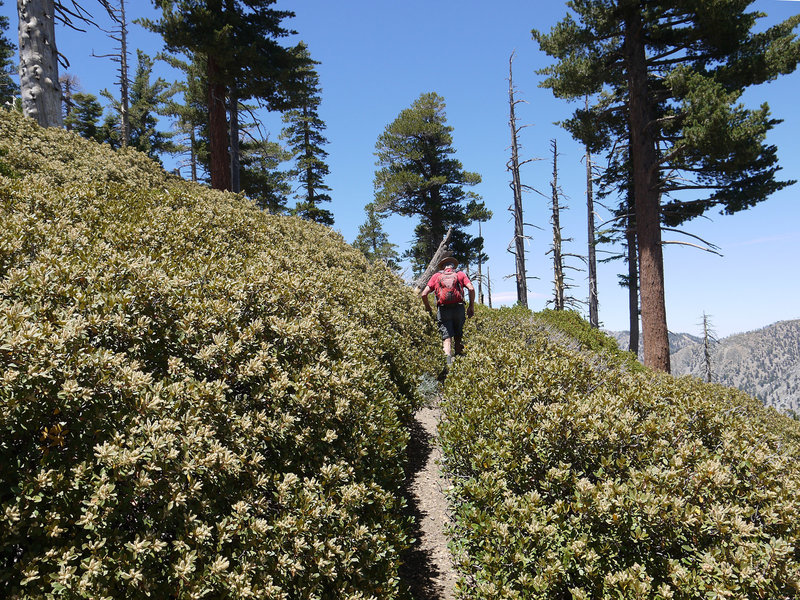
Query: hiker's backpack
449,289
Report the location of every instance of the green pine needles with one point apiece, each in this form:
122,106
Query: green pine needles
419,177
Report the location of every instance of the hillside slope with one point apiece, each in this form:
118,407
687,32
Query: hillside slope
195,401
764,363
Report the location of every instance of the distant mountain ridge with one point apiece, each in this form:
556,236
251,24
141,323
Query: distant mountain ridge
765,363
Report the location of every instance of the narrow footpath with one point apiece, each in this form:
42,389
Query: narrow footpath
428,568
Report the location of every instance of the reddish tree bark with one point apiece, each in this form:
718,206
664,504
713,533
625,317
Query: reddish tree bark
633,281
644,159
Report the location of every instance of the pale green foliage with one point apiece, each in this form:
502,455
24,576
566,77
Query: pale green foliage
195,400
577,479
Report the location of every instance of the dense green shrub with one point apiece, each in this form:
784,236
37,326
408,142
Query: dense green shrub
576,480
589,338
195,401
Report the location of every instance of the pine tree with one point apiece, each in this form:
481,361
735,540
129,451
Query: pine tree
147,100
262,178
239,42
8,89
373,241
419,177
84,118
303,133
671,75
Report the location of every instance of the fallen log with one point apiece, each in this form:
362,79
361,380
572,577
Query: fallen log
441,253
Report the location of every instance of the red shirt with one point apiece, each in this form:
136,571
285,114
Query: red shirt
434,281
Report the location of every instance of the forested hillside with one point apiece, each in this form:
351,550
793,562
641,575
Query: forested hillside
764,363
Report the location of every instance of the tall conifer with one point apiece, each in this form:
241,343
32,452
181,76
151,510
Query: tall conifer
419,177
303,133
671,74
244,59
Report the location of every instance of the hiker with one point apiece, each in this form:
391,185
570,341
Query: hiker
448,284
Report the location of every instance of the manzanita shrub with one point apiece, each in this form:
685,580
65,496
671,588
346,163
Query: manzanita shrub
580,332
578,479
197,399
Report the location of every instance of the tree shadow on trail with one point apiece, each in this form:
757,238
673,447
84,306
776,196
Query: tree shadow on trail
418,571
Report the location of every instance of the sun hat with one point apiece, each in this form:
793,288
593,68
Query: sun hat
445,261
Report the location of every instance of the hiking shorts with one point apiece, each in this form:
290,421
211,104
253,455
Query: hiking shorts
450,318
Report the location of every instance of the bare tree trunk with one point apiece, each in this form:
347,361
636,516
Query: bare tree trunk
489,286
644,159
633,279
124,81
558,265
69,84
219,159
480,264
234,142
708,337
516,184
593,316
38,62
440,254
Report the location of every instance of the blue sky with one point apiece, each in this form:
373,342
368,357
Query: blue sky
376,57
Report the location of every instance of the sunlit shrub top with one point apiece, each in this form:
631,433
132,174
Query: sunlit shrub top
576,478
197,399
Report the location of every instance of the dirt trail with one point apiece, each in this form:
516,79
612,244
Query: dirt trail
428,567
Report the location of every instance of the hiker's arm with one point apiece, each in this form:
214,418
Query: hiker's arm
471,307
424,293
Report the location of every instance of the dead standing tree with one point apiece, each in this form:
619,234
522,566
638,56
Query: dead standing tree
489,286
516,185
69,86
594,319
120,35
709,340
560,282
480,267
38,63
39,58
555,219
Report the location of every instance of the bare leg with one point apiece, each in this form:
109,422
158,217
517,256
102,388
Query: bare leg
447,346
459,347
